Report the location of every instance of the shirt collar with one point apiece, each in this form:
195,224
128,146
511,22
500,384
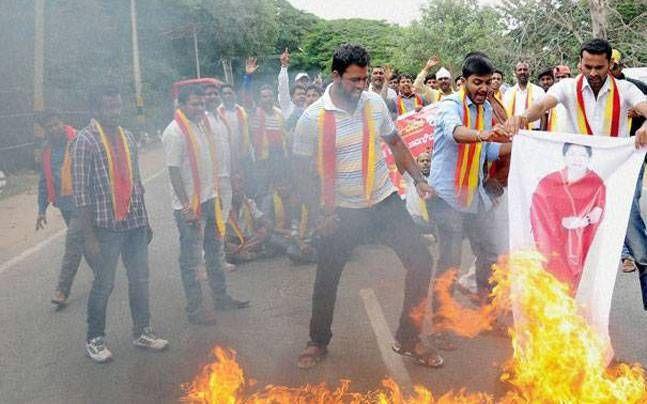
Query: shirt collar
329,105
604,89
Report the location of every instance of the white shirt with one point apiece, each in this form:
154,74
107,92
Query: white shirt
285,101
565,92
177,155
415,204
536,93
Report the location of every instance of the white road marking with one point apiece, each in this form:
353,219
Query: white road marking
41,245
393,361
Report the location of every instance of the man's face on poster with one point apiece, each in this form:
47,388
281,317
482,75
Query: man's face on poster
577,159
424,162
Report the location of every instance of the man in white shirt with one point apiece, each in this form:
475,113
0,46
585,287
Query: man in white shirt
523,95
289,101
378,85
591,91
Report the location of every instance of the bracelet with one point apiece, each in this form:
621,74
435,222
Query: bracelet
478,137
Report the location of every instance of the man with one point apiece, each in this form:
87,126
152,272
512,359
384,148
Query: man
546,79
358,198
393,83
458,82
416,205
562,72
566,210
444,78
238,122
523,95
55,188
269,142
313,93
110,197
464,140
628,262
407,100
598,104
431,82
191,143
497,82
378,77
291,100
430,94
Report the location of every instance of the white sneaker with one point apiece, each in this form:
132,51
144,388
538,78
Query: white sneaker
229,267
149,341
97,350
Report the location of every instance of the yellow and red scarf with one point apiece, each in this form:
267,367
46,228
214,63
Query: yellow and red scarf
402,109
263,137
192,150
66,168
512,107
243,125
551,125
469,157
120,172
611,109
279,211
248,219
327,155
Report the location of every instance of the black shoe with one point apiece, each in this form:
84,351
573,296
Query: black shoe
227,302
201,318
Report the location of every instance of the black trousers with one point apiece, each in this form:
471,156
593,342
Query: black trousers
389,222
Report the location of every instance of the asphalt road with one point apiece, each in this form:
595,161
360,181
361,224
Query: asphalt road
42,356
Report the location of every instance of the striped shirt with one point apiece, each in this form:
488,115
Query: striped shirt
349,191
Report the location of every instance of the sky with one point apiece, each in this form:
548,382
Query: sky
397,11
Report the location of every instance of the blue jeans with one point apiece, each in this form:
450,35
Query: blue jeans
636,240
73,251
132,246
194,239
479,229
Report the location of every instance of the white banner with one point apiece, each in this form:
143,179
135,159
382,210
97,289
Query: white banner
570,197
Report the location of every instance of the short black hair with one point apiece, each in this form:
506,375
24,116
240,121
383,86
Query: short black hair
187,91
98,92
47,115
315,88
597,46
265,87
349,54
405,76
477,63
567,146
498,71
430,77
296,87
459,78
546,72
227,85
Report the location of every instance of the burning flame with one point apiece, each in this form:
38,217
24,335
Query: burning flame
557,357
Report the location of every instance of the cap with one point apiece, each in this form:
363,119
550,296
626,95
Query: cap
616,56
443,73
301,75
546,72
562,69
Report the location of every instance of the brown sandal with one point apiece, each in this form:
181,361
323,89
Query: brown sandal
311,355
429,358
628,265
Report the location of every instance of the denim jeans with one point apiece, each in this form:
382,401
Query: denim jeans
132,246
479,229
194,239
73,251
390,221
636,240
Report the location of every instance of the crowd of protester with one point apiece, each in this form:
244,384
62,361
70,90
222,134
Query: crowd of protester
297,170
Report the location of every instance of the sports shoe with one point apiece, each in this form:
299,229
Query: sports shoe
150,341
227,302
97,350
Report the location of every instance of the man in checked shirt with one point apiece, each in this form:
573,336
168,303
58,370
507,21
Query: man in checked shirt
110,196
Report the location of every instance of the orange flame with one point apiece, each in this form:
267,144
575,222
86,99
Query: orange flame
557,357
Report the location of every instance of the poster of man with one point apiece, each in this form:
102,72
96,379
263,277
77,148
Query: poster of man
566,211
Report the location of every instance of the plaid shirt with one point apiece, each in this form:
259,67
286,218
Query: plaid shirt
92,184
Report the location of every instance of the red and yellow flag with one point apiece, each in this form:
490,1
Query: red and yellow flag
469,158
402,109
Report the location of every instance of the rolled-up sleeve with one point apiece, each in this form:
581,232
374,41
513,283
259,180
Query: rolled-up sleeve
449,119
81,169
174,147
305,134
388,129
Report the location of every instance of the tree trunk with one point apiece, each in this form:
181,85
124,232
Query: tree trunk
599,18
